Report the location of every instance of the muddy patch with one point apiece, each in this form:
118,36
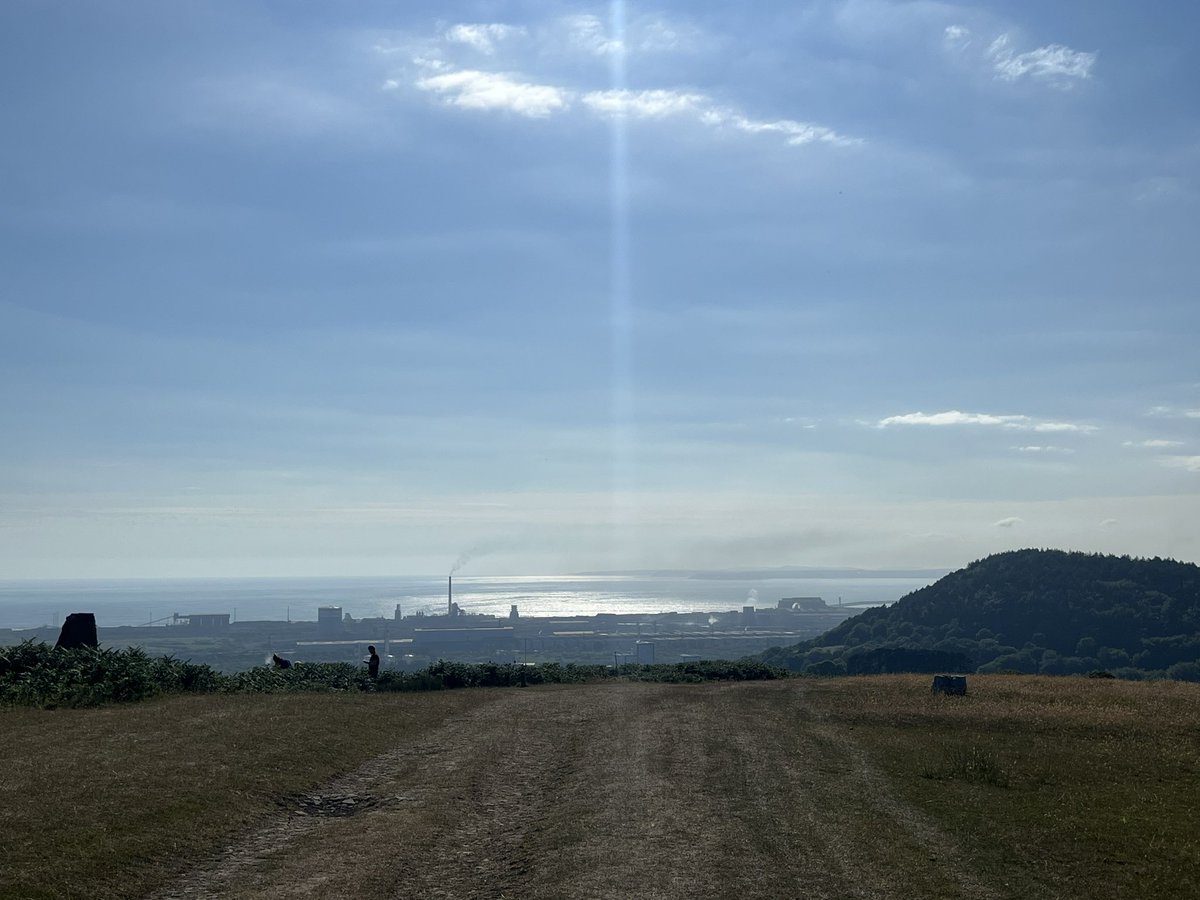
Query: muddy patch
329,806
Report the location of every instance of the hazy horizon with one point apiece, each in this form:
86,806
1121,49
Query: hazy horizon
766,573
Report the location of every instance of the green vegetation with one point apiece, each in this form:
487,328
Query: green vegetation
38,675
1031,611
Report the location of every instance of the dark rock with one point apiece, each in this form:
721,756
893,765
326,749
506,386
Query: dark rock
78,631
949,684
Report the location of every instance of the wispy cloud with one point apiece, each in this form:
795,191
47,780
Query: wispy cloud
472,89
441,71
795,132
657,104
1064,451
950,417
954,417
956,37
483,37
589,34
1008,522
1188,463
1173,412
1054,64
646,104
1154,444
1108,523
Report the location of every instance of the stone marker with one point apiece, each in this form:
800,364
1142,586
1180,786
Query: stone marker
78,631
949,684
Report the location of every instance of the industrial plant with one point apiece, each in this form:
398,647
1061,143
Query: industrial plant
415,640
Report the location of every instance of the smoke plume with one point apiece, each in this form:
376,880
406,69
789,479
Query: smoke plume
472,553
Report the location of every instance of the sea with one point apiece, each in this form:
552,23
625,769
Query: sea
34,604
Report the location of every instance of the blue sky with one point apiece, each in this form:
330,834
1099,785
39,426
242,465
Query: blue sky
296,288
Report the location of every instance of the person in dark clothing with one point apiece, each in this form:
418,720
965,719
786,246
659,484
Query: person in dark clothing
373,662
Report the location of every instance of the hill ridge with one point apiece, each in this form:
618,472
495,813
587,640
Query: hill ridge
1033,610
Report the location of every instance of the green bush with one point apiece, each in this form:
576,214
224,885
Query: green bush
39,675
301,677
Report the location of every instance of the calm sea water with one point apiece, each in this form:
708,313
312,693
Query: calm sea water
30,604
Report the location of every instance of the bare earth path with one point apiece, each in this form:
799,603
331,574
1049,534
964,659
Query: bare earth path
740,791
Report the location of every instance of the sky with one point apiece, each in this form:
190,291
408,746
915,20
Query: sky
297,288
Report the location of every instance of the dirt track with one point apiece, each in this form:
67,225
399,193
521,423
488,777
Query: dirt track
623,790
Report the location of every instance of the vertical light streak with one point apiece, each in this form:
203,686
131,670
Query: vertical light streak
621,305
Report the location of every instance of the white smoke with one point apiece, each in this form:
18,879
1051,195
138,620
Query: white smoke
472,553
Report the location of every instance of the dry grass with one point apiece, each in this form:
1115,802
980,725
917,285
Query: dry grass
867,788
112,801
1082,788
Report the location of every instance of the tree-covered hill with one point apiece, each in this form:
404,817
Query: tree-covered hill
1044,611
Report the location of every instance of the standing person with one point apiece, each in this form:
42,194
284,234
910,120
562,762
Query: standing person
373,662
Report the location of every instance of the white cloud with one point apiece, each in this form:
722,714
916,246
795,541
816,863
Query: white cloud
644,104
1156,444
1066,451
955,417
1172,412
1108,523
1189,463
1059,426
951,417
472,89
657,104
1009,522
587,32
796,132
431,63
475,88
482,37
1054,64
956,37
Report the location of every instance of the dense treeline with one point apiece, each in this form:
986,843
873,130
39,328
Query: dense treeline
34,674
1035,611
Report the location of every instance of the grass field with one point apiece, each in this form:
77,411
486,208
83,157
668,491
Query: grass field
866,787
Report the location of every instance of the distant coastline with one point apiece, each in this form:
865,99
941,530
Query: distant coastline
141,601
777,572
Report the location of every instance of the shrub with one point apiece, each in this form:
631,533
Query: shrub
1184,671
974,763
311,677
39,675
